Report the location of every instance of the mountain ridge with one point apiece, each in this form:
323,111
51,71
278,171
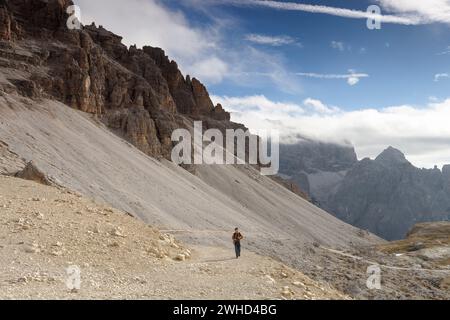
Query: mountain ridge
392,156
386,195
139,93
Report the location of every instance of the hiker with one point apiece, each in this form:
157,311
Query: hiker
237,237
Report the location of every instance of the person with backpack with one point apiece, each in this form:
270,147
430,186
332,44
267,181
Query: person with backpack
237,237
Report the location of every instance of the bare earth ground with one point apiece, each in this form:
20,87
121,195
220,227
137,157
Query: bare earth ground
44,230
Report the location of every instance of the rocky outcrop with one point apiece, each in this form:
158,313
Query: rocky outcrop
392,156
312,156
440,230
292,186
10,162
5,24
139,93
204,105
37,18
190,95
389,195
316,166
138,127
427,245
386,196
32,173
218,113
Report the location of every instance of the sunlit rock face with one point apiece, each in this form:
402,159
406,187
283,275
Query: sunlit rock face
139,93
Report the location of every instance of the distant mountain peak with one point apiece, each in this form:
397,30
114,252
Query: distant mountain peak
392,156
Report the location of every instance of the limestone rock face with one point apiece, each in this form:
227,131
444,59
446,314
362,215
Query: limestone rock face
316,166
220,114
190,95
446,172
179,87
392,156
138,127
39,18
386,196
5,24
139,93
204,104
389,195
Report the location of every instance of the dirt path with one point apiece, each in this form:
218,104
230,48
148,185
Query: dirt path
384,266
45,230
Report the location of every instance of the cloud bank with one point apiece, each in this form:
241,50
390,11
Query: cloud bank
369,130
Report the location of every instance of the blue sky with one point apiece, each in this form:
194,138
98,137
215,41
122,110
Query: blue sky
401,61
310,67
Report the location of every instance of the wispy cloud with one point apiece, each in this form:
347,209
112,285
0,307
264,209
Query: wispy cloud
204,52
255,68
276,41
446,51
338,45
351,77
405,19
259,104
439,76
195,49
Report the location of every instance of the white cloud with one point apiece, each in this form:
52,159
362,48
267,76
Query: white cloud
426,11
148,22
352,81
405,19
439,76
352,77
201,52
259,104
406,12
319,107
211,69
338,45
255,68
422,133
446,51
276,41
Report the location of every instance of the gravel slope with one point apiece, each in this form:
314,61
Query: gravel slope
80,154
44,230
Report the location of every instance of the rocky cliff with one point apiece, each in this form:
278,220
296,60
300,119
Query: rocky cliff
386,196
139,93
389,195
317,167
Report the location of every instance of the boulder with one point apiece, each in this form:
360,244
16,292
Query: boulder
31,172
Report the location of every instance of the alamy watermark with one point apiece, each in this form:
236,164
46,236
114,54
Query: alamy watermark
73,280
374,280
74,20
374,17
237,147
